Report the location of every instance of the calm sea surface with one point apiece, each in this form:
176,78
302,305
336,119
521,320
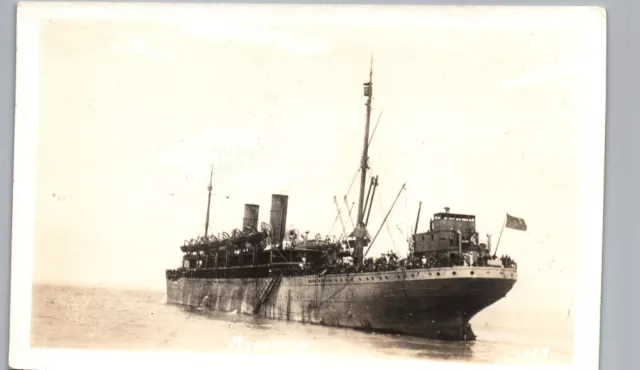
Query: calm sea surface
102,318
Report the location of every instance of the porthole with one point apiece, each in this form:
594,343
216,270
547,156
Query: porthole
471,272
453,273
437,273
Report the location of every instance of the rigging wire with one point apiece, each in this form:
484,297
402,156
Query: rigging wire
344,231
338,215
375,127
395,247
385,219
380,206
349,211
353,180
393,242
406,217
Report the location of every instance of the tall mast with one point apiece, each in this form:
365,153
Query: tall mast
206,225
361,232
368,92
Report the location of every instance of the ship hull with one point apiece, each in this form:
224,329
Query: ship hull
433,303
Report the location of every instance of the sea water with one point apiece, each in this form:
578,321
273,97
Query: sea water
118,319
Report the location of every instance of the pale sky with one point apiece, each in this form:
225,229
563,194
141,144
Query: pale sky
482,112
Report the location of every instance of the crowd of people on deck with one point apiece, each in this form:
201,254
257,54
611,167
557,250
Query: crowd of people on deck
391,261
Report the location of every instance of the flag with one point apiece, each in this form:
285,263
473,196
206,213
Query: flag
515,223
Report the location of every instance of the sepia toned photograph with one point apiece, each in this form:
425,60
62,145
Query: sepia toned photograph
413,184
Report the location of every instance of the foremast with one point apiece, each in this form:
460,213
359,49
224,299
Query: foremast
209,188
360,233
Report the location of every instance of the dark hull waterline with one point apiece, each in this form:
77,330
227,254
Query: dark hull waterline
434,303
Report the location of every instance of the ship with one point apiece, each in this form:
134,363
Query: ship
266,270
